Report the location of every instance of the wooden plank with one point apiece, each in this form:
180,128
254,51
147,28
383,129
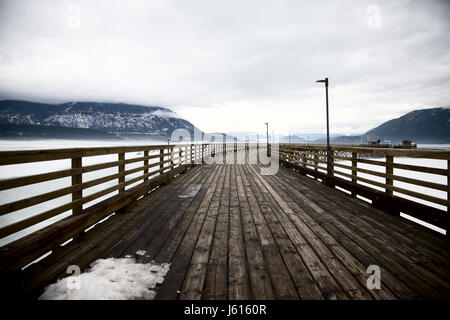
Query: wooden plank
145,164
335,236
282,283
260,284
161,159
420,211
167,253
425,238
144,233
171,288
22,224
390,177
330,289
406,232
16,157
409,167
37,178
25,250
401,190
195,277
238,282
354,170
121,169
27,202
402,253
216,279
304,283
354,280
53,267
389,257
76,180
170,213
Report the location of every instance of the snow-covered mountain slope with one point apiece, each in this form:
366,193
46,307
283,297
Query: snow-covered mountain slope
123,119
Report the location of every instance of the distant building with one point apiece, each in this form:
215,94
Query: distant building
407,142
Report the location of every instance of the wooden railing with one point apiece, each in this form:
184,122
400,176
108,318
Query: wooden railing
354,169
153,166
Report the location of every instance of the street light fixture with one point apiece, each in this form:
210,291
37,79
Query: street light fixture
328,128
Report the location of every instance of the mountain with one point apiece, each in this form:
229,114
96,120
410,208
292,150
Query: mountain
420,126
125,120
30,131
293,139
343,140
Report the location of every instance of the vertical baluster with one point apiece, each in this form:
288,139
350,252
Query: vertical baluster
448,199
145,165
316,163
354,170
77,179
389,171
121,168
161,160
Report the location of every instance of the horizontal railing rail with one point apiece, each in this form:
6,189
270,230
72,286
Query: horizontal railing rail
382,174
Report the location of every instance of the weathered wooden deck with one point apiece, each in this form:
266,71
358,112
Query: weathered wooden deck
231,233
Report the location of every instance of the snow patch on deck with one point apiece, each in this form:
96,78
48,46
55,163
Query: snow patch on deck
110,279
191,191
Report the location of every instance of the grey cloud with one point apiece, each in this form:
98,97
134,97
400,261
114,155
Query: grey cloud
239,54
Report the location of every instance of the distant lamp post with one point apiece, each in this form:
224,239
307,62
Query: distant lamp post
267,137
328,128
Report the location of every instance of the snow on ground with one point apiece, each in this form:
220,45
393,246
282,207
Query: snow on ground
110,279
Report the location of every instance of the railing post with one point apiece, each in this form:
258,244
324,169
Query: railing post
146,164
77,179
304,158
161,159
354,170
121,170
316,163
448,199
331,153
180,154
390,171
203,151
171,150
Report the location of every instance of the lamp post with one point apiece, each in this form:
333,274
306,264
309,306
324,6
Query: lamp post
328,128
267,137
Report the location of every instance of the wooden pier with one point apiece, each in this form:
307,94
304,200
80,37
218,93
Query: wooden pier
230,231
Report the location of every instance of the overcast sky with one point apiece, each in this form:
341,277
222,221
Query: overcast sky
233,65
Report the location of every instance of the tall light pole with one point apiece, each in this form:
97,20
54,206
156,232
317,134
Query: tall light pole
328,127
267,137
